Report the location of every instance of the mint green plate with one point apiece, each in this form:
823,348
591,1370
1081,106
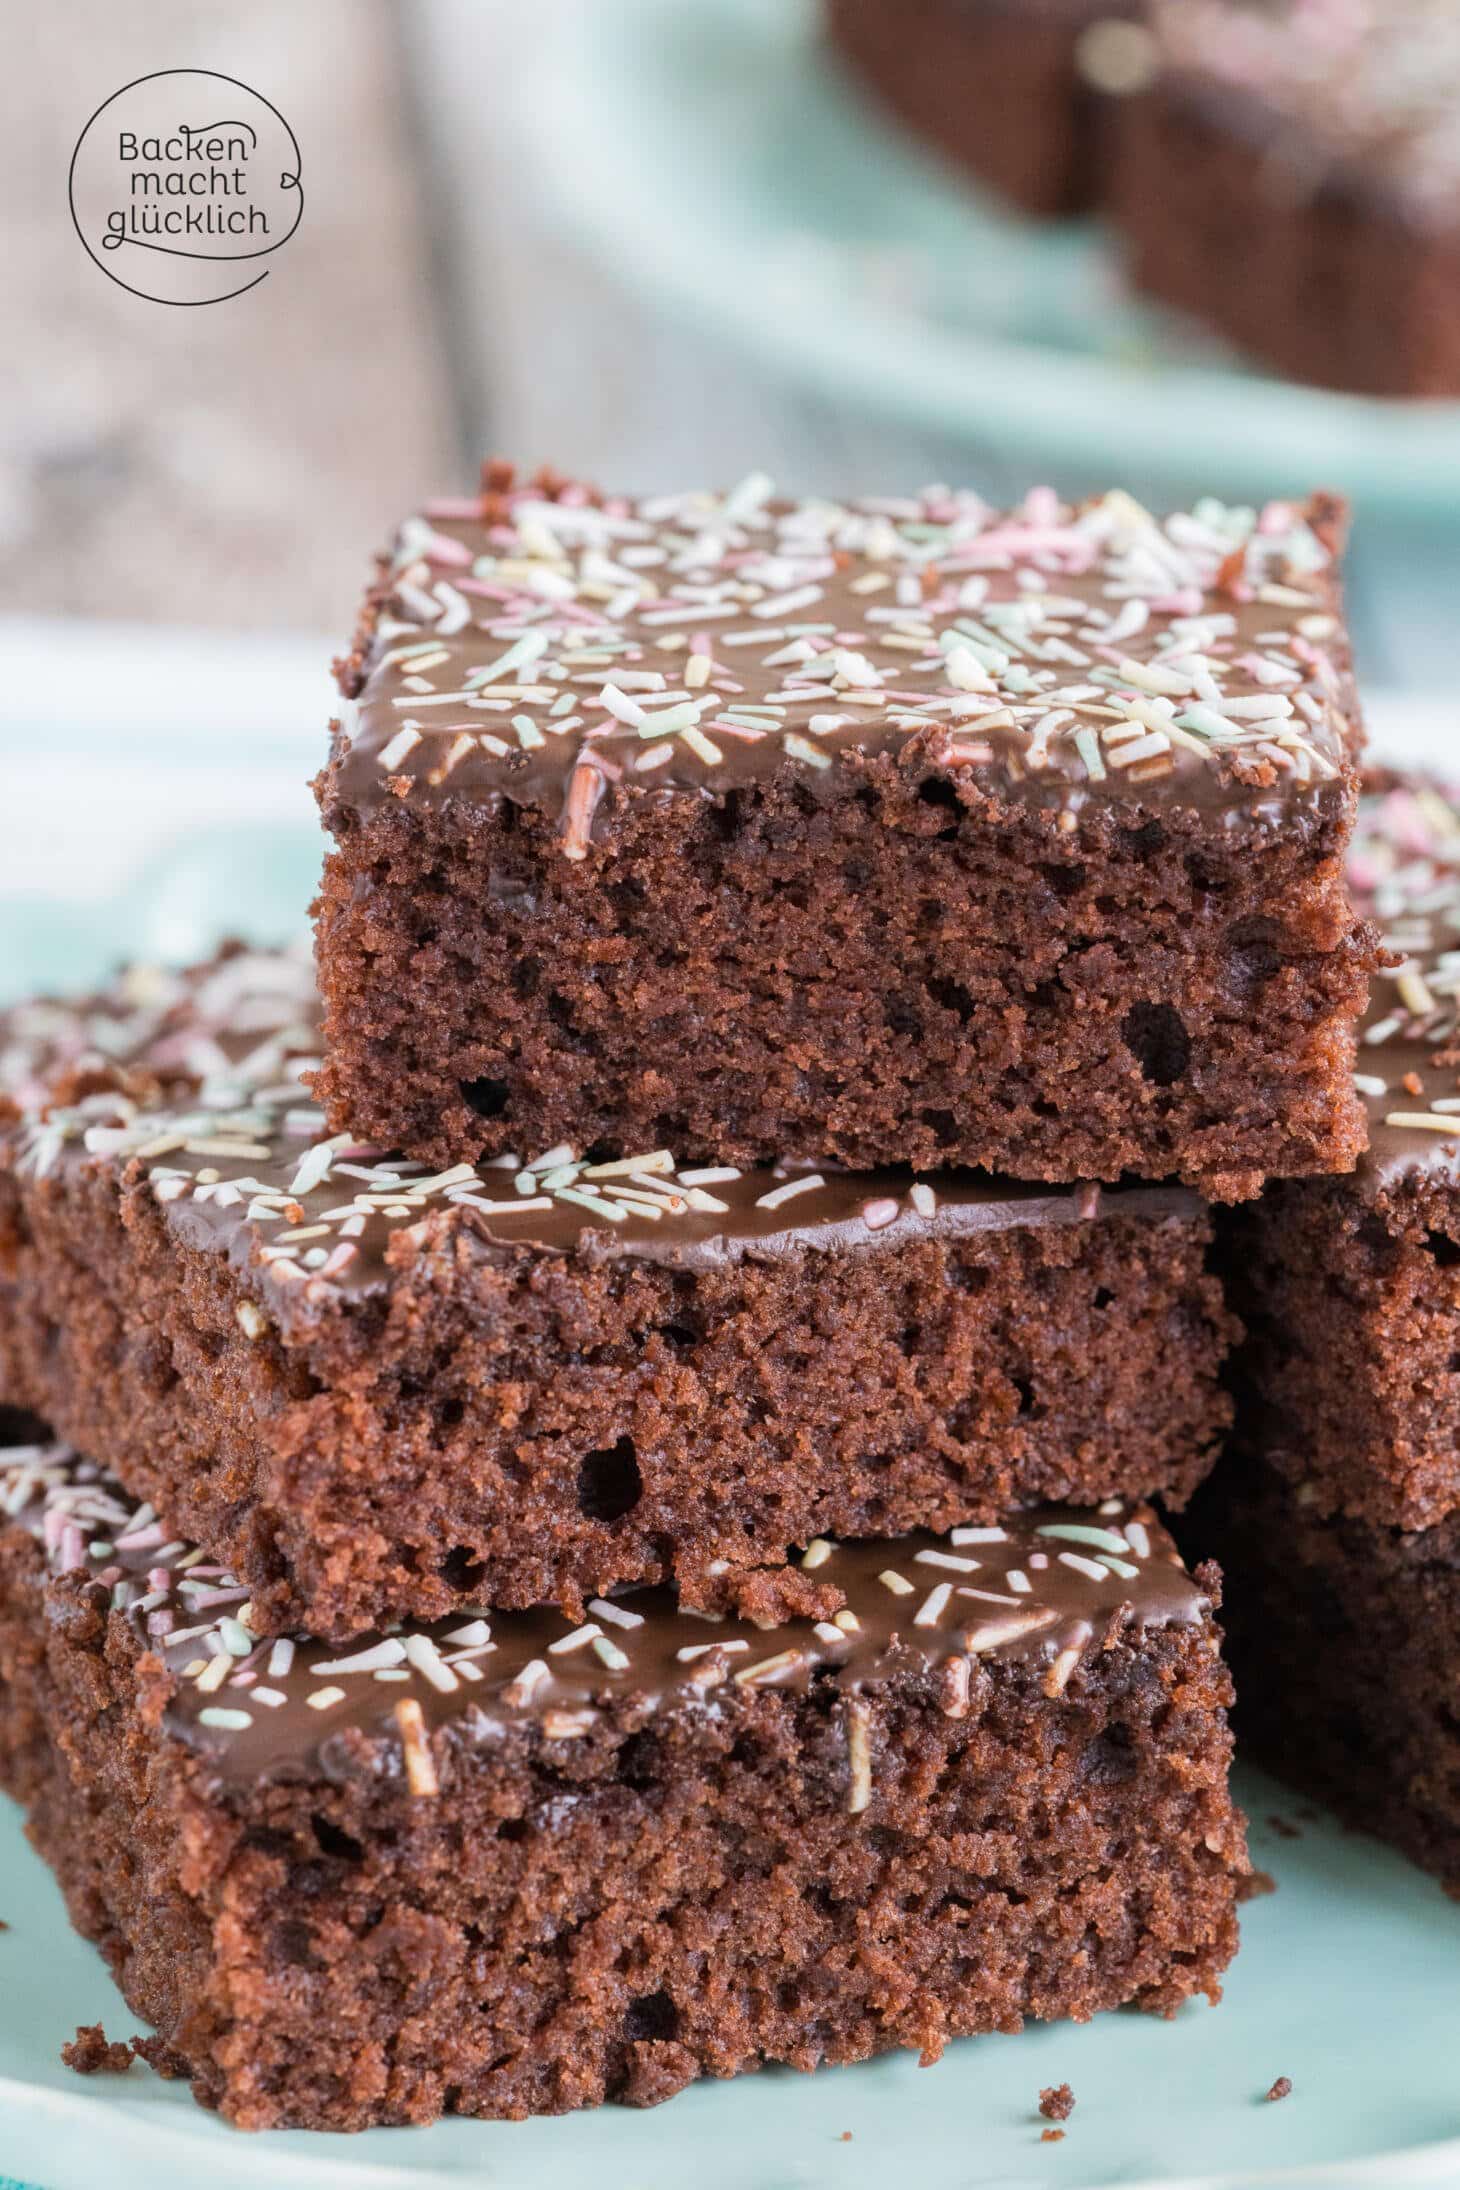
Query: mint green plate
715,157
1347,1983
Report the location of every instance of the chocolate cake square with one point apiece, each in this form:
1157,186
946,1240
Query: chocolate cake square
903,831
1350,1288
378,1390
509,1865
1292,179
1008,90
1344,1639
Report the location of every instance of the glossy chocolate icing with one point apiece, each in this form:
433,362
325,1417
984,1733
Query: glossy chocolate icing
576,656
1044,1589
236,1160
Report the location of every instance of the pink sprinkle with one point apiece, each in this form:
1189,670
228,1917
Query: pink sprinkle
1186,602
1038,1559
439,548
142,1539
875,1214
1042,506
454,506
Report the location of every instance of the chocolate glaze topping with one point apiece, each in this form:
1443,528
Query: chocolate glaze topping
198,1092
575,655
1043,1589
1404,874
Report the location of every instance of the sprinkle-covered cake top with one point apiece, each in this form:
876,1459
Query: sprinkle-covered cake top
573,653
195,1084
1046,1587
1363,91
1404,873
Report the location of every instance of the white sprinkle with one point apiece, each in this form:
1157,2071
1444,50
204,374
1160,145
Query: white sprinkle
786,604
404,742
977,1536
423,1655
966,672
705,748
619,704
314,1166
933,1606
947,1559
1078,1532
281,1659
792,1187
617,1615
580,1635
324,1698
1088,1567
769,1669
388,1652
897,1583
817,1552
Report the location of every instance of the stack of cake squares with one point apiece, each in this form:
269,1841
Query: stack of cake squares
605,1531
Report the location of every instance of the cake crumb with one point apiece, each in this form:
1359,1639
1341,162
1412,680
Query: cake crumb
91,2053
845,2137
1281,2088
1285,1828
1051,2136
1255,1885
161,2059
1057,2103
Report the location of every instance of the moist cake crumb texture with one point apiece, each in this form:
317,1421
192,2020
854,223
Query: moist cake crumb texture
895,831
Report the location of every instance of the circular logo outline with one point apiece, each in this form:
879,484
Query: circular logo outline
295,181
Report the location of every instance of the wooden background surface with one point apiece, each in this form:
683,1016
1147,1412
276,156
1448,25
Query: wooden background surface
232,465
